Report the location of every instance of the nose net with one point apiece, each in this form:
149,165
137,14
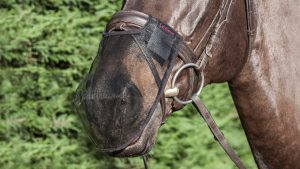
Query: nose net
111,101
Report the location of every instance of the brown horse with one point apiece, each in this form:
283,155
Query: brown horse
258,57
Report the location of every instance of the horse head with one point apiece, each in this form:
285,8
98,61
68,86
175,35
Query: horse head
129,92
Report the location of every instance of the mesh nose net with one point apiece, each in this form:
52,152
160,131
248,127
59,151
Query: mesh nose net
113,104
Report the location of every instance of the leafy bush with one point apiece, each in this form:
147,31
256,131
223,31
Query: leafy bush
46,46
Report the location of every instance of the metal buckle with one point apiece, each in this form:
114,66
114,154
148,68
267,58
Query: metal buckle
175,90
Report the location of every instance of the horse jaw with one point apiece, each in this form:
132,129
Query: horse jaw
143,144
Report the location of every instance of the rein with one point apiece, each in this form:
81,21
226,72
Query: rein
134,19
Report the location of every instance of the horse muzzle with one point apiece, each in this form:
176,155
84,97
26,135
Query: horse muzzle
143,144
121,111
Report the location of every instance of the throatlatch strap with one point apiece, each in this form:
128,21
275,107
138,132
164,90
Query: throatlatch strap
216,131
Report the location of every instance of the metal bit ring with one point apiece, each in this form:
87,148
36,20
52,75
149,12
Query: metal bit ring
188,65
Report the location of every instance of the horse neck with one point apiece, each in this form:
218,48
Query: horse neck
267,91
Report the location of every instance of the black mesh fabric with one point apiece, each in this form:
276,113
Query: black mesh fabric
114,108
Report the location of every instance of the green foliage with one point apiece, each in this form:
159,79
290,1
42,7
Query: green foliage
46,47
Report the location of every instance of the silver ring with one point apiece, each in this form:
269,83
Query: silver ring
195,66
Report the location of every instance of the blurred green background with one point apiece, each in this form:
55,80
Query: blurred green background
46,47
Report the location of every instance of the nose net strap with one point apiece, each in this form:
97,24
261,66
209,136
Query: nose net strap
219,136
150,63
145,162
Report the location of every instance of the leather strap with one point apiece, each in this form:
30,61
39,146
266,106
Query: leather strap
216,131
145,161
130,18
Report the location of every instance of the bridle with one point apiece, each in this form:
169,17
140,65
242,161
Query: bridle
134,19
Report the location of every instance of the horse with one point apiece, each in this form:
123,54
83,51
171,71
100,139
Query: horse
134,85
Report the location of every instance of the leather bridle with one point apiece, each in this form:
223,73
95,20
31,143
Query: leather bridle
125,20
